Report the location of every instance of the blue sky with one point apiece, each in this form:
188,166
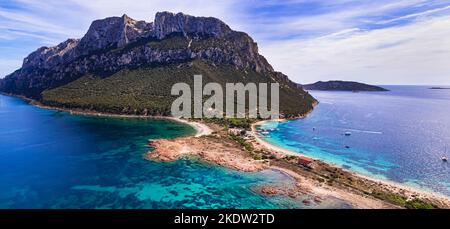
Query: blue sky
380,42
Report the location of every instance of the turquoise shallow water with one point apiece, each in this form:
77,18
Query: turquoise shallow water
51,159
399,135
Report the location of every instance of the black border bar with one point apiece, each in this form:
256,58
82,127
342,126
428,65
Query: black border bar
303,218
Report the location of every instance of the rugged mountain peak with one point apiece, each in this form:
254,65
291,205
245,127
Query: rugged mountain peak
126,17
115,43
102,34
113,31
134,30
47,57
167,23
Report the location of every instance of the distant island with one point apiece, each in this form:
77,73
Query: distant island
337,85
440,88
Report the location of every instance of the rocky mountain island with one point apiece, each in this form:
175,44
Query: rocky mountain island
126,66
337,85
440,88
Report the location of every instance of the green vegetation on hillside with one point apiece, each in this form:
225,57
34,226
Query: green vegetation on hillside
147,90
400,200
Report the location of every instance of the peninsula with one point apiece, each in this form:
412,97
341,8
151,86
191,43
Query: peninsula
240,147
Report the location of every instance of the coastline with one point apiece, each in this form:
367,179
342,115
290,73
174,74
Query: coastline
212,143
396,187
200,128
268,145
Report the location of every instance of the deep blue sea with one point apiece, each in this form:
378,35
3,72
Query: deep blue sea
52,159
399,135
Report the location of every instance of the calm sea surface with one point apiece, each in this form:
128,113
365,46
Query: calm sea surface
399,135
51,159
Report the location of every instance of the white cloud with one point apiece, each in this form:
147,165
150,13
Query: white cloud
32,24
8,66
414,54
340,15
415,15
54,21
384,55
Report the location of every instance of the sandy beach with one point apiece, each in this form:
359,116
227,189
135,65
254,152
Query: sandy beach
391,186
314,188
266,144
211,144
214,150
219,149
200,128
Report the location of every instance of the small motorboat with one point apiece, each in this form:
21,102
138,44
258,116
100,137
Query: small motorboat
444,158
347,147
347,133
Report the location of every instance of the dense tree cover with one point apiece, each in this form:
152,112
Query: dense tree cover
146,90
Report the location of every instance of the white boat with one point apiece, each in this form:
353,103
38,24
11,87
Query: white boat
347,133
